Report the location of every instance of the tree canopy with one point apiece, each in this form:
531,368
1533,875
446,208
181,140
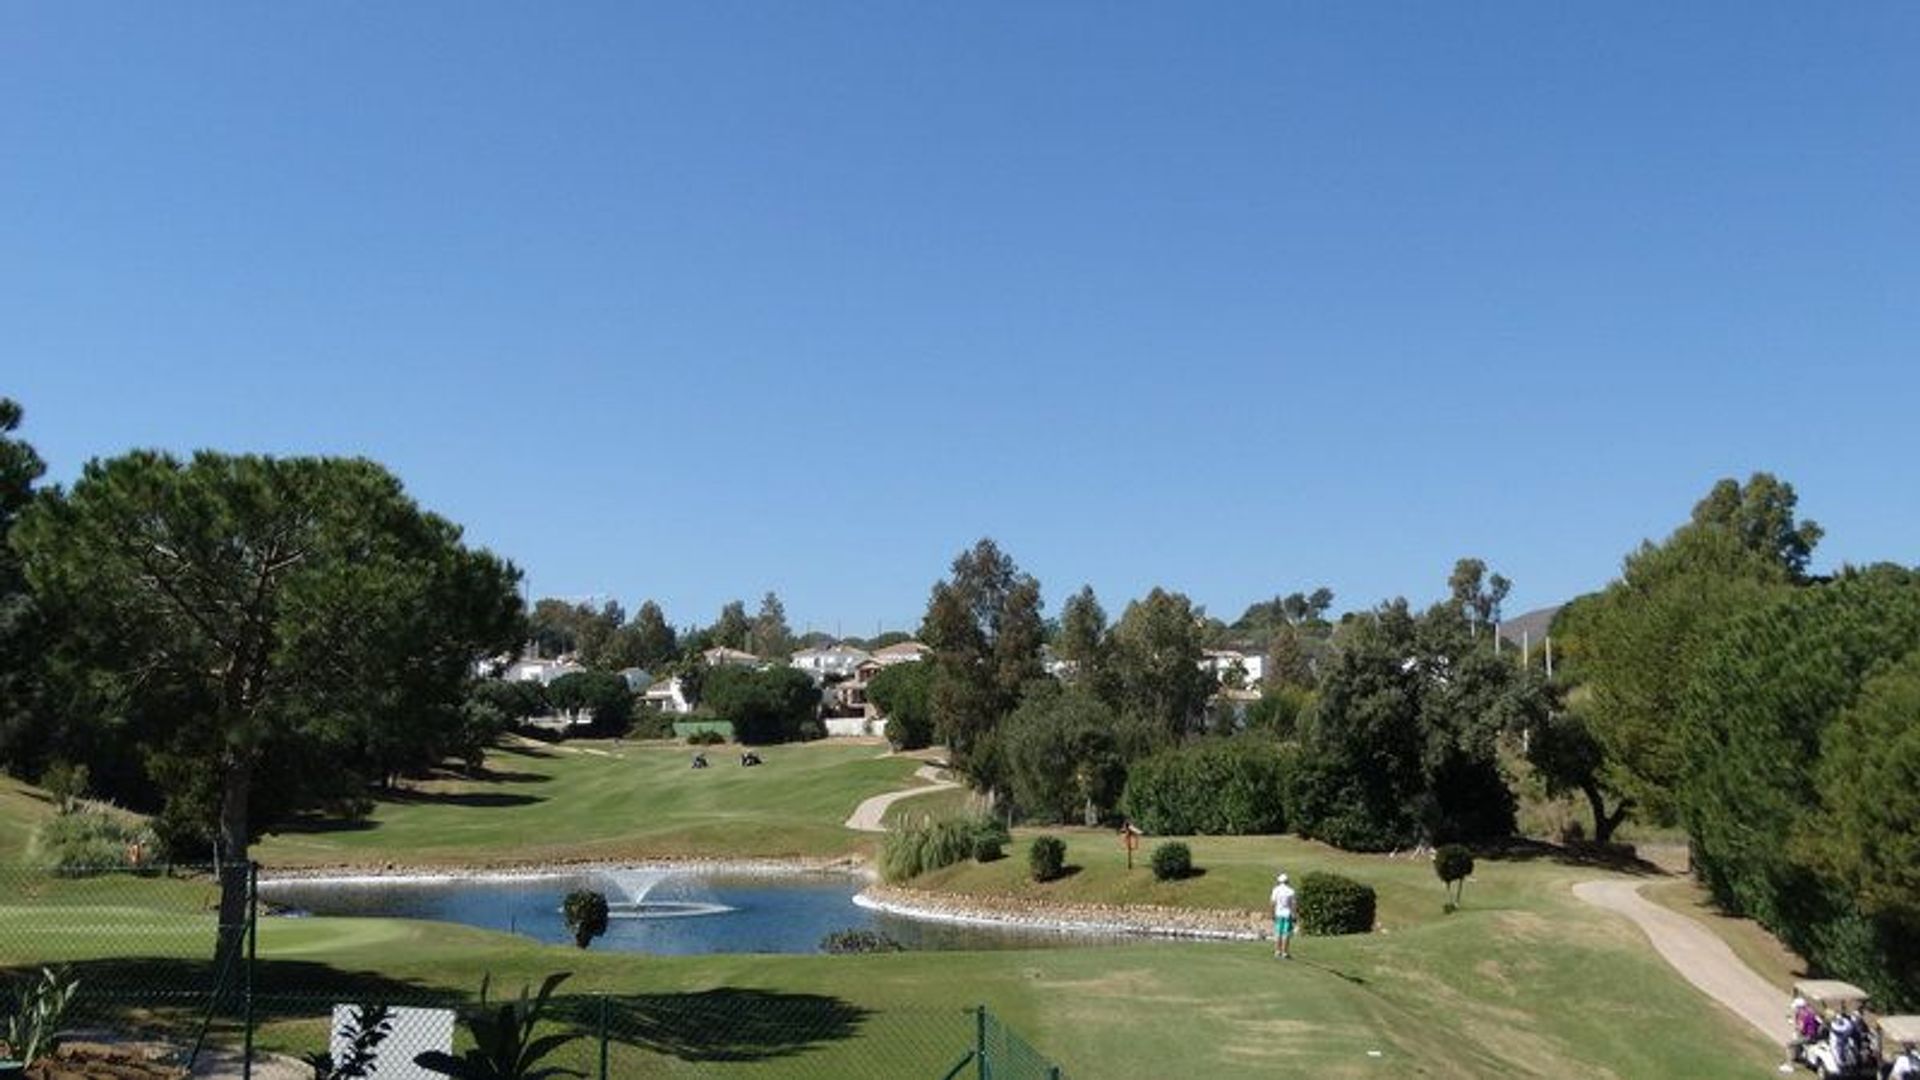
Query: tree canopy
274,632
983,624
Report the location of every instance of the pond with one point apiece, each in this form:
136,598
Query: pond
653,911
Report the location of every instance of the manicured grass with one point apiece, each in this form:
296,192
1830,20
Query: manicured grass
939,804
1532,985
1523,981
603,800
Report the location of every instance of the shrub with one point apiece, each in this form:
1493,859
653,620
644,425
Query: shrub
990,841
505,1040
900,692
1453,863
1172,861
66,784
811,730
586,915
1330,904
90,839
914,849
706,738
651,723
1219,787
1047,858
850,942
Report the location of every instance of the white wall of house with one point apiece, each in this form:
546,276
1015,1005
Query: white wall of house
1217,662
669,697
839,660
849,726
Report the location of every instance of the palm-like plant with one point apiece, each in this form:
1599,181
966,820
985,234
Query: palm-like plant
34,1025
504,1044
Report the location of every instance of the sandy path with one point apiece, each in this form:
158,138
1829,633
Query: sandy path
868,815
1703,959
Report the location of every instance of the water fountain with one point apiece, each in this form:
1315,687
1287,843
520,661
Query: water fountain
630,896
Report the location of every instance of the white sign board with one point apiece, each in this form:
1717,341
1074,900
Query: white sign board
410,1033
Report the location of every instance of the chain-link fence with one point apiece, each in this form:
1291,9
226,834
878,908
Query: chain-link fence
158,980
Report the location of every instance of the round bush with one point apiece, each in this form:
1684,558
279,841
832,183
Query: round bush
990,840
586,915
1330,904
1172,861
1047,858
1452,862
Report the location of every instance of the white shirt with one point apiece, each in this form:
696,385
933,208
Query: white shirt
1282,900
1907,1064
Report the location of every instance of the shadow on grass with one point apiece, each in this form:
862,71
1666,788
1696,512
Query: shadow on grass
172,997
724,1024
316,825
1333,971
463,798
1620,858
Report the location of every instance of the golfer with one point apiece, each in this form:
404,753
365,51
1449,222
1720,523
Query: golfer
1282,919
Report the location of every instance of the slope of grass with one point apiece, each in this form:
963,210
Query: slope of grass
22,808
602,800
1751,942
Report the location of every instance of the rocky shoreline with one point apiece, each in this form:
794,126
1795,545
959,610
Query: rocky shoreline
1129,920
1102,919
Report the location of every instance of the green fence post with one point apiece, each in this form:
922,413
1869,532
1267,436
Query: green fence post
253,953
980,1042
603,1035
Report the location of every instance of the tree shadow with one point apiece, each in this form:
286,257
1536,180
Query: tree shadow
1619,858
724,1024
464,798
314,824
169,995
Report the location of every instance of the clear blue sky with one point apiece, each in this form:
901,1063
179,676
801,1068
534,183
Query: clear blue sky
701,300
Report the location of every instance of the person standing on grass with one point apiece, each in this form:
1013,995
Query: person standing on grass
1282,919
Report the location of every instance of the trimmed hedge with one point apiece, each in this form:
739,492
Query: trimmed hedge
1047,858
1172,861
1221,787
1330,904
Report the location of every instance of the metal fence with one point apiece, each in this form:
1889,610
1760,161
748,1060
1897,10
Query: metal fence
139,950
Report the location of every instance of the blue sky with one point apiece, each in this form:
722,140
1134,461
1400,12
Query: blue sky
701,300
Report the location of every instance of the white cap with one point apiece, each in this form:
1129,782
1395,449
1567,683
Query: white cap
1799,1002
1282,879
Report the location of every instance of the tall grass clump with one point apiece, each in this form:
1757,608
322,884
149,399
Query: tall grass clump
89,838
915,848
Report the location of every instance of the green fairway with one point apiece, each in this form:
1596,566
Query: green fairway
603,800
1523,981
22,808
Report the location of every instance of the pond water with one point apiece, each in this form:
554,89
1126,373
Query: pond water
654,911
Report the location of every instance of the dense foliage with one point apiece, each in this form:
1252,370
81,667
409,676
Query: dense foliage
763,706
1762,736
1063,756
1402,746
902,694
983,624
1330,904
1453,864
604,698
1216,787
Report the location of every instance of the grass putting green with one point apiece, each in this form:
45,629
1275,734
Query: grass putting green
604,800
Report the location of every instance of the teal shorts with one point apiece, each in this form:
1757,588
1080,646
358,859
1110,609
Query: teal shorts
1282,925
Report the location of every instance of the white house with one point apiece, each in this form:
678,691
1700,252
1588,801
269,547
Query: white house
721,656
839,660
542,671
1221,663
669,696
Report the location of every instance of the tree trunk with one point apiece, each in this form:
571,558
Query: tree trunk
1604,823
235,892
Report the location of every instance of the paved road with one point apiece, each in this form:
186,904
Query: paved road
868,815
1697,954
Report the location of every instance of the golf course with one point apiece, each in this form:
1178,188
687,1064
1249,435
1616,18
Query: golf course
1522,980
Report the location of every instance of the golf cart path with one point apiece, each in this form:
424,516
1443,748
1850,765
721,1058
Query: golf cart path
868,815
1693,950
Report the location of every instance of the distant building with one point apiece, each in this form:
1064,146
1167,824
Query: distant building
540,670
839,661
1222,663
669,696
724,657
